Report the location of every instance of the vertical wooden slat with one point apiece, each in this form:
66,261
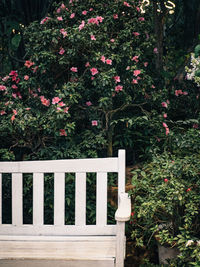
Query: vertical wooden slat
80,199
17,196
59,199
120,245
101,206
121,172
38,198
1,198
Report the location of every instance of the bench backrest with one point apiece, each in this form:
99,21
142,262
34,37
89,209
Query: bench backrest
100,166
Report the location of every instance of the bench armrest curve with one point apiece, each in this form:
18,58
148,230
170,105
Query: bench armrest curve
123,212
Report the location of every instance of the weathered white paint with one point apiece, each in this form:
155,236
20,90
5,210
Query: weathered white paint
59,199
38,199
121,172
124,208
120,246
109,262
85,245
54,230
69,165
17,194
101,199
80,199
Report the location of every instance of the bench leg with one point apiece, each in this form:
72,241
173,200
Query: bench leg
120,249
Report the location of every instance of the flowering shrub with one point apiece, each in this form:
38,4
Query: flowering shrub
92,52
166,199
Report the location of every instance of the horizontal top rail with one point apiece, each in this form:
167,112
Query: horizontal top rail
69,165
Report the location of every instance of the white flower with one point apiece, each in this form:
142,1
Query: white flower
189,243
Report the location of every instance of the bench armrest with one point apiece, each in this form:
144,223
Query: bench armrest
123,212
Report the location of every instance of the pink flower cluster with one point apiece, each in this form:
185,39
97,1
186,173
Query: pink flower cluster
166,128
63,32
28,63
107,61
180,92
118,88
82,25
45,102
44,20
94,71
95,20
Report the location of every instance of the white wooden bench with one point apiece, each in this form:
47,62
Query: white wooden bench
59,245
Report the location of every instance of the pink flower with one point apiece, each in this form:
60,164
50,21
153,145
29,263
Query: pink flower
138,9
26,77
35,69
63,132
94,123
164,104
94,71
14,95
112,40
134,81
13,118
153,86
88,103
135,58
136,33
63,6
61,104
109,61
103,59
126,4
13,73
84,12
74,69
66,109
59,18
44,20
117,79
28,63
195,126
165,115
115,16
87,64
58,10
55,100
165,125
62,51
167,131
82,25
189,189
92,37
145,64
136,72
166,180
155,50
5,78
100,18
141,19
185,93
63,32
2,88
118,88
15,111
93,21
2,112
45,102
72,15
